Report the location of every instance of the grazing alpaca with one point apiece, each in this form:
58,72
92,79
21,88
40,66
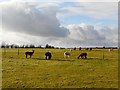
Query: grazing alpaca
74,48
67,53
29,53
80,48
83,55
48,55
90,49
110,49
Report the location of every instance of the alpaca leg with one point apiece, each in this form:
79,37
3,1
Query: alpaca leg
82,57
64,55
68,56
50,57
46,57
26,55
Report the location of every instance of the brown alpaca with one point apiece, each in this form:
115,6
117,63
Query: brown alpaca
83,56
48,55
29,53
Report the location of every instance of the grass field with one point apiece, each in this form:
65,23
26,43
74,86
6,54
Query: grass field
60,72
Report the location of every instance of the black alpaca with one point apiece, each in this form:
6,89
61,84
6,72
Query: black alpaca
87,48
90,49
29,53
48,55
83,55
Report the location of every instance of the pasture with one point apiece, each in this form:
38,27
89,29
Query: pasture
59,72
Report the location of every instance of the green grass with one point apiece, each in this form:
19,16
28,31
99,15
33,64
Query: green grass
60,72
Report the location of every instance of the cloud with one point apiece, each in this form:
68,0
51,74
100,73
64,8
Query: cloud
64,0
97,10
29,19
37,23
89,35
80,35
22,39
84,32
110,33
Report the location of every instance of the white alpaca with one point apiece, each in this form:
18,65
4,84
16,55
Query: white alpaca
110,49
67,53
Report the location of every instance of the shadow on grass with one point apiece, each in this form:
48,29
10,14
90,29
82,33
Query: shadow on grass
70,60
38,58
91,58
54,59
65,59
96,58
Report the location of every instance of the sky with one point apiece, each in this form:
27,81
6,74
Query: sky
59,23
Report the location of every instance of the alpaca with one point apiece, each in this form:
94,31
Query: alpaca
82,55
74,48
90,49
67,53
48,55
29,53
111,49
80,48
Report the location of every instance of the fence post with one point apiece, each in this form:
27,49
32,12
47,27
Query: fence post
4,51
18,51
103,52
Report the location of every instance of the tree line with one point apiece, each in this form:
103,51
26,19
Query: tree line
26,46
46,46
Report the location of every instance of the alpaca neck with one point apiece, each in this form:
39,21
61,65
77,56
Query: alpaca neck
33,51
